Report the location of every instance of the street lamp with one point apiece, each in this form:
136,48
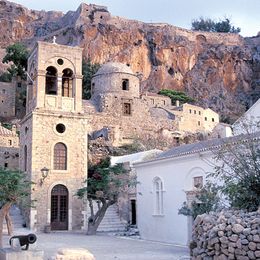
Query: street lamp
45,172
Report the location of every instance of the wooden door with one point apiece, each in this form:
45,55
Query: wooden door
59,208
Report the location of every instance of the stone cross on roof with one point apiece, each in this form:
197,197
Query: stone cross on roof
54,39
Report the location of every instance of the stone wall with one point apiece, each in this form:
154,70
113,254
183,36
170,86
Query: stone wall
7,99
227,235
9,148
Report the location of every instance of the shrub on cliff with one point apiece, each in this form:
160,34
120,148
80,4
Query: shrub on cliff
209,25
175,95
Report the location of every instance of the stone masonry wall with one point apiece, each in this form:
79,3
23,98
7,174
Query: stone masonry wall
226,235
7,99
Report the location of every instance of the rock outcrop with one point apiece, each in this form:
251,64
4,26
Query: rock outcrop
226,235
221,71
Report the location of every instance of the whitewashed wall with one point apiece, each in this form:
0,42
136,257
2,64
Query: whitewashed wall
177,176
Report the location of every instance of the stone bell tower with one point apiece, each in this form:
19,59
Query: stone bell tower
54,137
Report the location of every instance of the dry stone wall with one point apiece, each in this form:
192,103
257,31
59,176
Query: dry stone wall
226,235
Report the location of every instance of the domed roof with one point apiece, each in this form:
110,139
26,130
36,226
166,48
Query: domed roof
114,67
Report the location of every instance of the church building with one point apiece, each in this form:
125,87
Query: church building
53,143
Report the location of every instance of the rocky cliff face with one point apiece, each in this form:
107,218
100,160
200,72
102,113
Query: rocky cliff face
221,71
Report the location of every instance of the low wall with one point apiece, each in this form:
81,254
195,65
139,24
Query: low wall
226,235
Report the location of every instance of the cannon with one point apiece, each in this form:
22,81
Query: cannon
24,240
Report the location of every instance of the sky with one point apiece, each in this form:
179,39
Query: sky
243,13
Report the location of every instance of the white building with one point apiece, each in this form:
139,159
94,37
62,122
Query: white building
250,121
169,180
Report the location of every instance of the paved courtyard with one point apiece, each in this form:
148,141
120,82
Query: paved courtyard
108,247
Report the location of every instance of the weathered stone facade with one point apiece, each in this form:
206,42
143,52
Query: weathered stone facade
7,99
227,235
9,148
54,136
12,99
119,104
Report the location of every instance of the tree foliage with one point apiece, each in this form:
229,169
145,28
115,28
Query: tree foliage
17,54
88,71
104,185
238,169
176,95
207,199
235,180
5,77
14,187
209,25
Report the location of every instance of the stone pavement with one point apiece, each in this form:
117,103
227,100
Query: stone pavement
108,247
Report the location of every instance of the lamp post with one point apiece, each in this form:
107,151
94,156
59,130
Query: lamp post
45,172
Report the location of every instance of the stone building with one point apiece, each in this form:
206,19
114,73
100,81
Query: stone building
53,145
9,148
119,104
12,99
7,99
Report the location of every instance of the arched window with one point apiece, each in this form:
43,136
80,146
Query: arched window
125,84
67,81
60,157
25,158
158,196
51,81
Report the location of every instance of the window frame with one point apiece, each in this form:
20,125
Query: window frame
158,197
58,157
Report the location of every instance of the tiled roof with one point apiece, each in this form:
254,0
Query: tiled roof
205,145
6,132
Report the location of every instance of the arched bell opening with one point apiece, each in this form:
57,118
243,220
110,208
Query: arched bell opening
67,82
51,81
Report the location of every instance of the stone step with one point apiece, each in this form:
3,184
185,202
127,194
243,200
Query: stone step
111,220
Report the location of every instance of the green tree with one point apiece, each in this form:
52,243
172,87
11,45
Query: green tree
176,95
14,187
209,25
238,169
104,185
5,77
207,199
88,71
17,54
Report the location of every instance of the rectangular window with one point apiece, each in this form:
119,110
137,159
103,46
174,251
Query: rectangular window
10,142
206,118
190,111
126,109
19,84
213,120
199,112
6,165
198,182
125,84
198,122
195,112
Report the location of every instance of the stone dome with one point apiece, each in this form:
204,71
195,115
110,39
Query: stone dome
114,67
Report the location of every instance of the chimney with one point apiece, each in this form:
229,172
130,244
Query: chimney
177,103
14,129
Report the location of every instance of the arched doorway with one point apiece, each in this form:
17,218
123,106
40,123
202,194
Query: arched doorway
59,207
